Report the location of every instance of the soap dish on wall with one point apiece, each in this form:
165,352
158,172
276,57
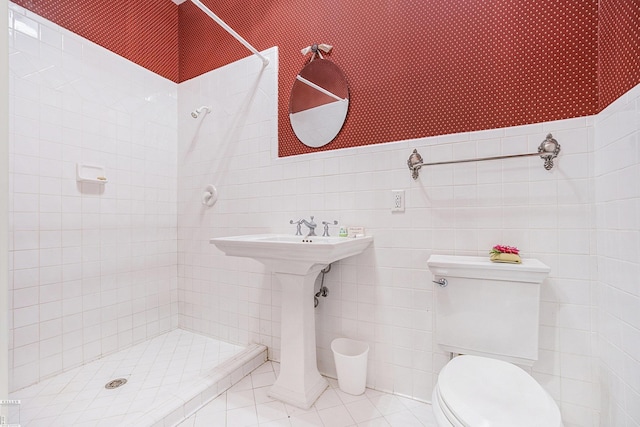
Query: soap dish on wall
90,173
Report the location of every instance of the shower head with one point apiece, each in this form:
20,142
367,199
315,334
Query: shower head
200,110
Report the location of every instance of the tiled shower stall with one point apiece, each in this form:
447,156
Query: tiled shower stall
97,268
94,265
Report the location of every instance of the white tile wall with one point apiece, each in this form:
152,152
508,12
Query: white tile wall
383,296
93,268
617,207
225,297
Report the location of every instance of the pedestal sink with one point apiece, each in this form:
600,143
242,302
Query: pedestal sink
296,261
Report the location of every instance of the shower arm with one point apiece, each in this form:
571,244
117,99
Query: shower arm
228,29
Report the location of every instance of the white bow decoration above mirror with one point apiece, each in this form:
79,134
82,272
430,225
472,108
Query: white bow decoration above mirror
316,48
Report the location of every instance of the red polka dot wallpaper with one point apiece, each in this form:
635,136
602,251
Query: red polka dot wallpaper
619,38
415,68
143,31
418,68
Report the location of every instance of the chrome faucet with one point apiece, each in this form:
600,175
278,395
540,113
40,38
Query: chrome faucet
312,226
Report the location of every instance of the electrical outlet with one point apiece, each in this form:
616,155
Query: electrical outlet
397,200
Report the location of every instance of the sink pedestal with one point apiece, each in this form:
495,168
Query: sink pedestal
299,382
296,262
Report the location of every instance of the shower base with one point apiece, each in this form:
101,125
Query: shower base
167,379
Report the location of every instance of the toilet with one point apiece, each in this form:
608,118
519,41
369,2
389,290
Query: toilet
487,316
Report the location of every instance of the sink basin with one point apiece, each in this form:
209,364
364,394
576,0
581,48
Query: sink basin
296,261
292,254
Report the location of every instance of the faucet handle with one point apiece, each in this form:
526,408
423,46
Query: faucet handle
299,226
326,227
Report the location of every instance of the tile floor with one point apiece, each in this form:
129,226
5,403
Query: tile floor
246,404
165,372
161,373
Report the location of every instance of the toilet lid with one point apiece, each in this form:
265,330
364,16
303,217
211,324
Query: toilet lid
480,391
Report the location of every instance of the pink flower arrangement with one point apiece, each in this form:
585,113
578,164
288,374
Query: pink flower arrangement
499,249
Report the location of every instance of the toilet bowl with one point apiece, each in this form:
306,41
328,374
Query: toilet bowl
475,391
489,313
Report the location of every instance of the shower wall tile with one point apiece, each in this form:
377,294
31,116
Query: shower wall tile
93,268
384,296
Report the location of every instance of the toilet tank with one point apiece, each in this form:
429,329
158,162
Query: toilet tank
487,308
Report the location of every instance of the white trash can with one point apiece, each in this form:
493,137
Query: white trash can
351,364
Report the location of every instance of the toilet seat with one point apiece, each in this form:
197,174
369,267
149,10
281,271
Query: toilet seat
479,391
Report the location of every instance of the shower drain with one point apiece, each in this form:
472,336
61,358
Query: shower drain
115,383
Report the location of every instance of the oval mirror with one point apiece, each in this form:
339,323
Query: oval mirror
319,102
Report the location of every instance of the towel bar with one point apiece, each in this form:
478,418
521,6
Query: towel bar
548,150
